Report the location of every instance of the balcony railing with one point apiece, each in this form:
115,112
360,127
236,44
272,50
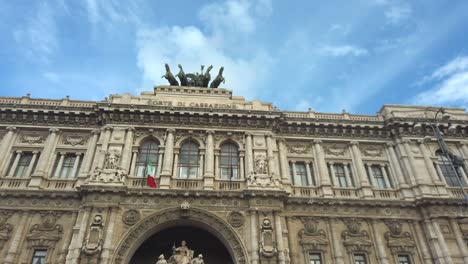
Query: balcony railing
346,192
187,184
59,184
229,185
306,191
456,192
386,194
13,183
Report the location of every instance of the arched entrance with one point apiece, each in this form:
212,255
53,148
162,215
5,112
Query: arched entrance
197,239
202,222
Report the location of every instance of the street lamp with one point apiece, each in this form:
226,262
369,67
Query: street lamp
441,142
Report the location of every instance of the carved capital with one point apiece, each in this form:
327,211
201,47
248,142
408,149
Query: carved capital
95,131
406,141
11,129
132,129
390,144
108,127
268,134
171,130
210,132
354,143
317,141
54,130
248,134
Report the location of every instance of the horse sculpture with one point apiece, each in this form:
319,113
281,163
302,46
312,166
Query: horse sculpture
219,79
182,76
172,80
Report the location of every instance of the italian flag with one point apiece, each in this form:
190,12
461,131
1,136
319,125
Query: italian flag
150,169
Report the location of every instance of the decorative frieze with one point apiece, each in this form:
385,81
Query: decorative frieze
299,147
335,149
74,140
372,151
32,138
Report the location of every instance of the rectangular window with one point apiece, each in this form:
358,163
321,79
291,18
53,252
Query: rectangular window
23,164
360,259
404,259
301,174
39,256
315,258
64,167
378,176
340,175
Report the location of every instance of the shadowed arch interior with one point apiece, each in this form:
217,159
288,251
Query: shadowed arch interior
198,240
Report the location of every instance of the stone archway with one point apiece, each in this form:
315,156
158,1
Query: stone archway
169,217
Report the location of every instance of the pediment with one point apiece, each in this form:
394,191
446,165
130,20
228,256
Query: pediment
45,235
357,244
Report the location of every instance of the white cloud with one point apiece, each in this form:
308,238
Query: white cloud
38,37
398,13
52,77
451,85
340,28
192,47
344,50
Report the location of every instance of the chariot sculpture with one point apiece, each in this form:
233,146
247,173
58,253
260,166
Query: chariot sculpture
201,79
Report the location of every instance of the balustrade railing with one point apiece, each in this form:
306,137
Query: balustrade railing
13,183
59,184
187,184
455,192
386,194
346,192
305,191
229,185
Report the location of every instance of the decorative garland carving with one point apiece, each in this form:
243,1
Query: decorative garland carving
32,139
312,238
74,140
374,152
298,147
335,150
397,240
354,239
229,235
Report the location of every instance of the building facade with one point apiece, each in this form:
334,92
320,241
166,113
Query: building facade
241,182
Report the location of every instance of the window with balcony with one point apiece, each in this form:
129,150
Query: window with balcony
301,173
404,259
67,165
22,164
341,174
453,175
360,259
39,256
315,258
229,161
147,159
378,176
189,160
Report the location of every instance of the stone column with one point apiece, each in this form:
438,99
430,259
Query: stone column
216,166
106,136
442,242
309,174
388,183
348,176
429,164
371,175
127,150
67,236
11,173
270,157
279,238
336,245
248,154
361,170
79,231
283,152
15,244
59,165
421,241
5,145
166,173
31,164
294,176
253,237
324,179
459,237
160,162
175,171
395,165
408,160
75,165
46,156
88,157
379,244
107,247
208,177
133,165
433,242
334,180
241,167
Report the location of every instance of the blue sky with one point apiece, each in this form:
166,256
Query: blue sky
325,55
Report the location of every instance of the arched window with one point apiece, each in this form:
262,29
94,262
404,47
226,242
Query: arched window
451,176
229,164
189,160
147,162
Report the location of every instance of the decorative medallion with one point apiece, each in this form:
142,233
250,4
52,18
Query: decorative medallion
235,219
131,217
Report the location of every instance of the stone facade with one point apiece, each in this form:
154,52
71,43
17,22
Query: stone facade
273,186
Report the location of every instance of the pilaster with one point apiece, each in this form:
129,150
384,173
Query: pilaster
324,178
361,170
165,179
44,160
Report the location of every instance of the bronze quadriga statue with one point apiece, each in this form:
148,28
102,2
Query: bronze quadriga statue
196,79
